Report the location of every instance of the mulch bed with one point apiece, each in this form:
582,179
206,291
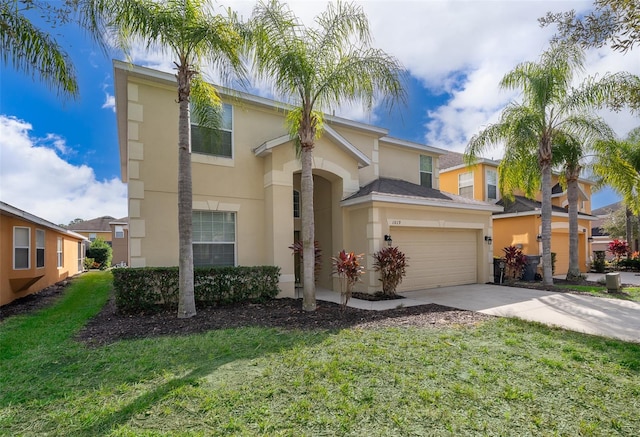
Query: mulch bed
110,326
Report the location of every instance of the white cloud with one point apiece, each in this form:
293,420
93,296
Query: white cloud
34,178
109,102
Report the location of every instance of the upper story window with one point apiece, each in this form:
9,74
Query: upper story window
426,171
92,236
214,238
21,248
217,142
296,204
492,185
465,185
39,248
119,231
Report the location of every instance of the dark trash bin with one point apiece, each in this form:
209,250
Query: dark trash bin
498,273
530,270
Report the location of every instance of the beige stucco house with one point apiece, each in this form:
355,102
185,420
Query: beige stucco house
246,181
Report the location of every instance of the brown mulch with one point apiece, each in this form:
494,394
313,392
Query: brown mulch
110,326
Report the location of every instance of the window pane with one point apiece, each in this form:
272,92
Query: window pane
227,119
39,257
21,237
492,177
210,141
426,163
296,203
466,192
40,238
465,179
21,258
425,179
209,255
492,192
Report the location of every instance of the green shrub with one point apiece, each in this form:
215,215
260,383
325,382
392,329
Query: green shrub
629,264
154,288
88,263
599,264
101,253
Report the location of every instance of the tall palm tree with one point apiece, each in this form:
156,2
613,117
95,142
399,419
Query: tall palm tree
33,51
317,69
548,111
188,32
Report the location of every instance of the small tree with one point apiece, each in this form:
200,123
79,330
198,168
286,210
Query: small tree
392,264
348,268
101,252
618,248
515,262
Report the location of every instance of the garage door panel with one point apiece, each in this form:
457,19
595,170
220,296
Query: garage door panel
437,257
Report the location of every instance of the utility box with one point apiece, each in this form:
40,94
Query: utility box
613,282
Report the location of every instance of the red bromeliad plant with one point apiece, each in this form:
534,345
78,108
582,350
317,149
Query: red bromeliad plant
347,266
515,262
618,248
392,264
297,249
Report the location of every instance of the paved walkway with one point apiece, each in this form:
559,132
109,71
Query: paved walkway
614,318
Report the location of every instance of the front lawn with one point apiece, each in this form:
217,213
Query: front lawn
627,293
503,377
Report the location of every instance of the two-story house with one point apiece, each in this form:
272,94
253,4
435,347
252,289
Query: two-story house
113,231
520,224
370,190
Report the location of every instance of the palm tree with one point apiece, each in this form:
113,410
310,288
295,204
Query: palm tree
549,111
34,52
185,29
316,70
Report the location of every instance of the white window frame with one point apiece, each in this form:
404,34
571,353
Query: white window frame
225,107
80,256
421,171
28,247
118,231
296,197
495,172
220,242
463,182
93,236
60,252
40,246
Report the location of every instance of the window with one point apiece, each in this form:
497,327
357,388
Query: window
92,236
296,204
217,142
465,185
119,231
80,256
60,253
21,248
39,248
426,171
214,238
492,185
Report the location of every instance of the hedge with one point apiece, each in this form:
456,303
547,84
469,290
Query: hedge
152,289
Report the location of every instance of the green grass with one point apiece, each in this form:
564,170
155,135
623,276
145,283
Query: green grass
504,377
628,293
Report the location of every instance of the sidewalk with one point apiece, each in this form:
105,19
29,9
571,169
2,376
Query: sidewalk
612,318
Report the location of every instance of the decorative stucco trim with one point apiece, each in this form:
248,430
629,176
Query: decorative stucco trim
444,224
538,212
411,145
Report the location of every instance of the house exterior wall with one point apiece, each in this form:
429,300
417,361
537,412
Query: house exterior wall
106,236
17,283
120,246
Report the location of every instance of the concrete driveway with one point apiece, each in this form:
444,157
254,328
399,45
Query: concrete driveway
606,317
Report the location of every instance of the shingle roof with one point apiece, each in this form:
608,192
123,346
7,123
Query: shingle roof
522,204
401,188
451,159
605,210
99,224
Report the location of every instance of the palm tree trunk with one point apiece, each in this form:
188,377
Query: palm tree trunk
629,231
547,272
186,298
572,196
308,230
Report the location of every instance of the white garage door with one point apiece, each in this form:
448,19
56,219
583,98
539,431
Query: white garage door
437,257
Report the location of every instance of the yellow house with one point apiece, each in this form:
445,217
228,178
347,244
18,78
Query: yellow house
369,188
519,224
98,227
34,253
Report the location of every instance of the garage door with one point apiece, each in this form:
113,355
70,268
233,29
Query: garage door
437,257
560,246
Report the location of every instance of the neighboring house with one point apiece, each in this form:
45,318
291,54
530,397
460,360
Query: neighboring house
368,188
98,227
34,253
520,224
601,238
119,241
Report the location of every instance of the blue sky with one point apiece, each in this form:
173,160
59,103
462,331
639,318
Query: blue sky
59,158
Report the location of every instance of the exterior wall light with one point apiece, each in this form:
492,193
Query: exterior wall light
388,239
488,239
590,239
539,238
